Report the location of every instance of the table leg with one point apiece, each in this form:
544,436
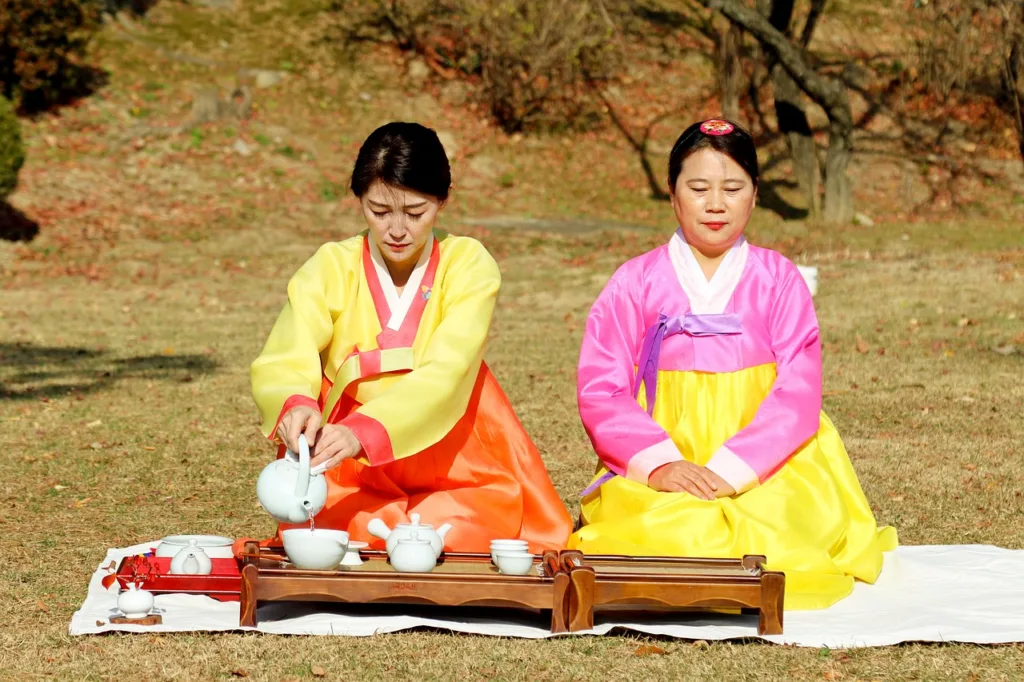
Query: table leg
247,605
773,589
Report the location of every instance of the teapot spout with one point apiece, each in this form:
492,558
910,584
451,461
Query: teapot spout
443,530
378,528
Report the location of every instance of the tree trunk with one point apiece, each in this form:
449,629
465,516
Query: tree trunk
838,190
789,111
829,93
730,70
794,125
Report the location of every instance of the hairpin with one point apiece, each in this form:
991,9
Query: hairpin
716,127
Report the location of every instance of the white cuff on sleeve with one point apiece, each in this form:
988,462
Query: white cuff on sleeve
733,470
647,460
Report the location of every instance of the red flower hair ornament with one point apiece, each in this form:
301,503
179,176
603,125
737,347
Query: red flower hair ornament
716,127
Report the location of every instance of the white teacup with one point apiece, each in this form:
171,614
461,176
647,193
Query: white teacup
316,550
507,546
513,562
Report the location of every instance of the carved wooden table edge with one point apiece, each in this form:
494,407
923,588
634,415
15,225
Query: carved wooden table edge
752,590
266,577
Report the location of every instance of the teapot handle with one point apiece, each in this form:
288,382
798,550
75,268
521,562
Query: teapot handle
302,480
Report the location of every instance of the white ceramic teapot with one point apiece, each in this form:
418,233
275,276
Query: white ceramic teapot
403,531
191,560
288,490
413,555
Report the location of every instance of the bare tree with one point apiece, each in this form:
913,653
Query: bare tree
730,69
789,101
827,92
977,47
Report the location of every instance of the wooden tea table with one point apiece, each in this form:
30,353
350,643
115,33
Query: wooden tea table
643,584
458,580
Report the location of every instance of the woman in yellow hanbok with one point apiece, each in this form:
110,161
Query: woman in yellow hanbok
700,386
378,358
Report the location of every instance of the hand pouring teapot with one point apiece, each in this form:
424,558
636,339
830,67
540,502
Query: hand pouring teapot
405,531
288,490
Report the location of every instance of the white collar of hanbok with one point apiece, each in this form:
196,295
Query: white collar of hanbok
707,296
399,304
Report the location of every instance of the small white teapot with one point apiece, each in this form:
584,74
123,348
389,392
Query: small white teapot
404,531
288,490
412,555
191,560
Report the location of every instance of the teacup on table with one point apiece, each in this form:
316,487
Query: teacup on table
507,546
513,562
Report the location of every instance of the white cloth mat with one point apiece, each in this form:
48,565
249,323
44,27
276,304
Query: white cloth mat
936,593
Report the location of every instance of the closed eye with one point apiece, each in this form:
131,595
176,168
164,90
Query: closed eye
380,214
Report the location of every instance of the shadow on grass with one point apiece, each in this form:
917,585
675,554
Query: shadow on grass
15,226
33,372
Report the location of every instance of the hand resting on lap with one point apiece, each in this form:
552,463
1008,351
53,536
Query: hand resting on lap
687,477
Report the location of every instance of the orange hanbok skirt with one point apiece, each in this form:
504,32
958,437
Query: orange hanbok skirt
486,478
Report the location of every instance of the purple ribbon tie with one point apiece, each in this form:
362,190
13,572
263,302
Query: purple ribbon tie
694,325
650,353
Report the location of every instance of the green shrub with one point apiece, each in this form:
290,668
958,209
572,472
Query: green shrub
41,45
12,153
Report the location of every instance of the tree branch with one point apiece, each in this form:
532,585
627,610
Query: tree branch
823,91
817,9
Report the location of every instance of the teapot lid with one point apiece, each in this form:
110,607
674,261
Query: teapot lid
413,539
415,523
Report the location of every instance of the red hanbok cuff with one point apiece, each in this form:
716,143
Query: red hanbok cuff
372,436
292,402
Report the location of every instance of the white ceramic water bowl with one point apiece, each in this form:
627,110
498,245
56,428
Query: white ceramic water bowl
352,557
215,546
315,550
810,275
513,562
507,546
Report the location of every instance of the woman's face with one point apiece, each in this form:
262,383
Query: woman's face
400,220
713,199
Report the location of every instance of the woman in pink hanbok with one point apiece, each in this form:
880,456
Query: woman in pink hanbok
700,387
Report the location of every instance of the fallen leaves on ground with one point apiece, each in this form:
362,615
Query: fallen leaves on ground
649,650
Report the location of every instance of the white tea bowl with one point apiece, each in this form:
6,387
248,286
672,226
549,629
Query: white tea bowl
514,562
315,550
215,546
507,546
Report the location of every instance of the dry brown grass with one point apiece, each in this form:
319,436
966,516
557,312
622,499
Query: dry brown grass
127,327
127,417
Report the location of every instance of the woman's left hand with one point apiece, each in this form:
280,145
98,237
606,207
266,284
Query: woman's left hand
334,444
722,488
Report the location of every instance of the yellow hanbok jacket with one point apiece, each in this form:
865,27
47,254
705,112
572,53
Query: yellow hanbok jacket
405,372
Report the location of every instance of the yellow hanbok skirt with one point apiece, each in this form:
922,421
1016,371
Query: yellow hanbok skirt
810,519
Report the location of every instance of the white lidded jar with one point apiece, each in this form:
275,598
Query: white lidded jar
135,602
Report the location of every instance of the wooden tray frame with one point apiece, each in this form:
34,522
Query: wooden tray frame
751,589
265,578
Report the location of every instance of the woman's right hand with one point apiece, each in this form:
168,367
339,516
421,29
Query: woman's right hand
684,477
299,420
